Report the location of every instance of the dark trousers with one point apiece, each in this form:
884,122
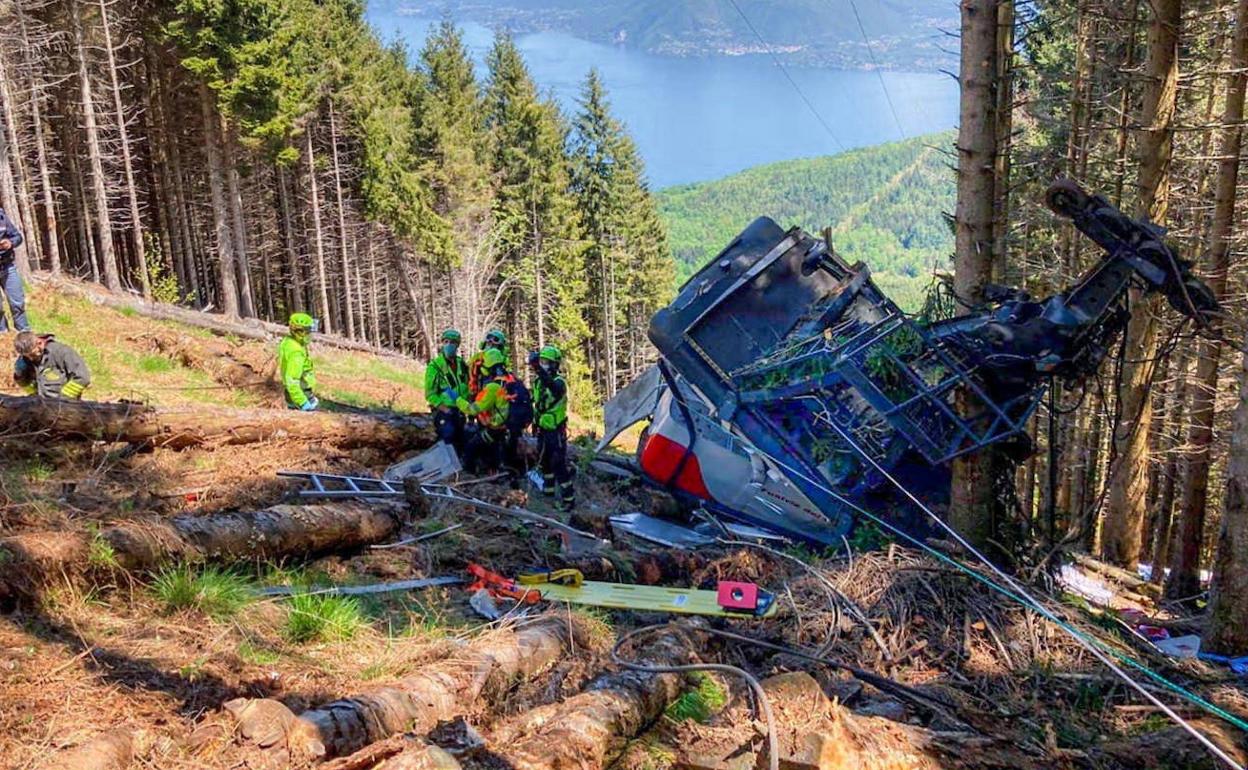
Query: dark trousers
552,453
491,449
483,450
449,427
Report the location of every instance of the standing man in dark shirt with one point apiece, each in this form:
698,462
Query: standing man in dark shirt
10,277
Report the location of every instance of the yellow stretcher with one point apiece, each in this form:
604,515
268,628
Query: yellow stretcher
729,600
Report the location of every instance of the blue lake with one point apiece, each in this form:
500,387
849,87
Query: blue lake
699,119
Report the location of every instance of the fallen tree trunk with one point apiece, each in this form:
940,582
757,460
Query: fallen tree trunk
437,692
584,731
178,428
28,561
220,359
247,328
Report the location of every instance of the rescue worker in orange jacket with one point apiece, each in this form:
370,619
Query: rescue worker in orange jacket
494,340
503,409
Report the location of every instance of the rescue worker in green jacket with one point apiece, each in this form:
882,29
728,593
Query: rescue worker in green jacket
48,368
492,445
446,380
494,340
550,421
294,364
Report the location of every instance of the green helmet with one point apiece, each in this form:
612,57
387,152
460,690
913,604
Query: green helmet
551,353
495,338
452,335
493,358
301,322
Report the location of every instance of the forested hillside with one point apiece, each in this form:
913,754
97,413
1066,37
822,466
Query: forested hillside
888,206
266,156
904,34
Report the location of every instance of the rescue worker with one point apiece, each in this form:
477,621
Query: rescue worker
550,421
294,364
49,368
10,277
495,442
494,340
446,380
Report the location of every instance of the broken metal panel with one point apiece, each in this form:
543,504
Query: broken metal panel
434,464
631,405
660,532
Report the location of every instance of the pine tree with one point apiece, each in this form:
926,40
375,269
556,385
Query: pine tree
535,220
452,144
620,225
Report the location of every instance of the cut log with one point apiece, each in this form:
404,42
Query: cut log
249,328
437,692
28,561
584,731
113,750
814,733
178,428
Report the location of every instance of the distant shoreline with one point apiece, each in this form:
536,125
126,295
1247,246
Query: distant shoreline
891,53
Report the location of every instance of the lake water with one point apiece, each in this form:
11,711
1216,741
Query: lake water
699,119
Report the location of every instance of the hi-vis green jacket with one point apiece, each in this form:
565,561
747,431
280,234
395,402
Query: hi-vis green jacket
442,375
550,400
294,366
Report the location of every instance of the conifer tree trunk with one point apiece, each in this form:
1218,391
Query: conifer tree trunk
342,223
1185,568
971,499
220,211
15,174
238,228
99,196
1170,425
296,303
158,179
1122,534
132,195
372,291
318,235
8,186
177,212
51,234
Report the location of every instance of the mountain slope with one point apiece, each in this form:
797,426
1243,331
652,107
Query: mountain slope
886,205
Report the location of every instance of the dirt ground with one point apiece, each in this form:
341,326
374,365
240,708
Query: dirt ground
110,653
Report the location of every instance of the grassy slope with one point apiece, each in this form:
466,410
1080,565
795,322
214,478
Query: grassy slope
885,204
124,365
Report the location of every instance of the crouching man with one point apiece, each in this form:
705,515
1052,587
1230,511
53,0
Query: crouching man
294,364
49,368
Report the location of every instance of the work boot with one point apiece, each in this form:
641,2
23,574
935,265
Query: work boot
567,498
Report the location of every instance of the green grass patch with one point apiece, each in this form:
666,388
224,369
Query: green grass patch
128,312
38,469
258,654
323,618
699,703
100,553
154,364
213,591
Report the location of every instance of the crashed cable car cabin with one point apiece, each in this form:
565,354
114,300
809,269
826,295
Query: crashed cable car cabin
791,391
